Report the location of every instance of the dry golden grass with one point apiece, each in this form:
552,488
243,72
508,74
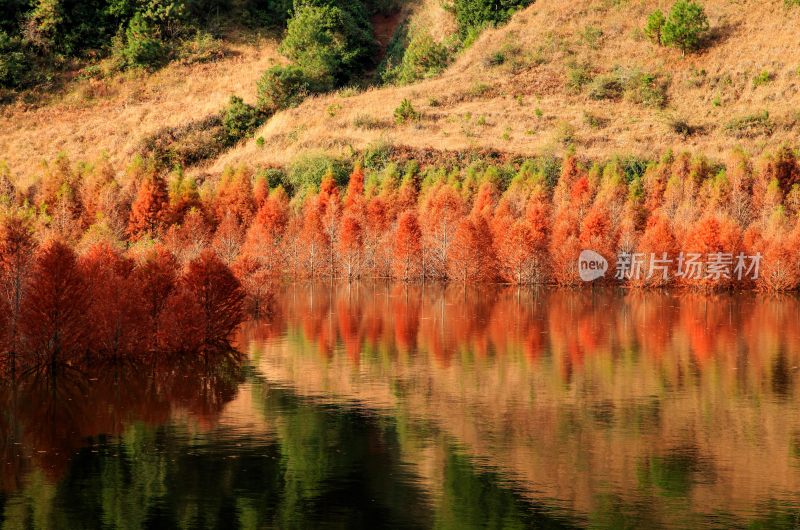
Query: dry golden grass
113,115
521,106
524,106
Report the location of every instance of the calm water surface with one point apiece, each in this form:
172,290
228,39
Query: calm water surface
404,407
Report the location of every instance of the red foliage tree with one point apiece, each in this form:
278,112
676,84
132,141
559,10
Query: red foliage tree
657,243
235,197
330,210
355,188
407,262
264,253
570,174
260,191
55,306
442,210
188,239
228,238
274,213
779,245
598,234
155,278
150,209
351,245
485,200
377,242
314,238
16,261
712,234
471,256
205,310
407,195
115,314
565,247
516,254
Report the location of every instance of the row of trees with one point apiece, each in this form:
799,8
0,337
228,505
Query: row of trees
57,307
93,258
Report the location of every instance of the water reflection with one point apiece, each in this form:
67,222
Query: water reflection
645,408
410,406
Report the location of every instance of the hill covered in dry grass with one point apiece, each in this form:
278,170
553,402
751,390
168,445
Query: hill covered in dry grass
111,116
560,74
536,85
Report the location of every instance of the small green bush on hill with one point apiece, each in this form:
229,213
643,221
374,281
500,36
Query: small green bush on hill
685,27
476,14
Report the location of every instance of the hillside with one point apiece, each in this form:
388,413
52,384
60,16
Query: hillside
111,116
526,105
531,86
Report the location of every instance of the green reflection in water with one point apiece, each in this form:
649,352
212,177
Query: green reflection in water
327,466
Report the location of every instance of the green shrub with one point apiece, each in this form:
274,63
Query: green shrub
405,112
591,36
275,177
578,76
606,87
202,48
12,62
423,58
45,24
331,43
479,89
142,48
188,144
383,7
749,126
240,119
594,121
476,14
680,126
308,170
377,155
495,59
646,90
685,27
282,87
655,26
639,87
763,78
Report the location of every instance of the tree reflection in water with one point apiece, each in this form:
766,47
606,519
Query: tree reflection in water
411,406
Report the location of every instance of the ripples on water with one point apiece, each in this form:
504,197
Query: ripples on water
395,406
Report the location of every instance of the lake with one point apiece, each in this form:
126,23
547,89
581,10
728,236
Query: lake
372,405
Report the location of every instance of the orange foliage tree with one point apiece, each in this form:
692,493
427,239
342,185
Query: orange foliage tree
471,256
16,261
442,211
150,209
407,263
155,278
351,245
712,235
598,234
228,238
659,250
54,309
205,309
115,313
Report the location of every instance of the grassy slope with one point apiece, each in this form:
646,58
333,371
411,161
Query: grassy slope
112,116
522,106
751,37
